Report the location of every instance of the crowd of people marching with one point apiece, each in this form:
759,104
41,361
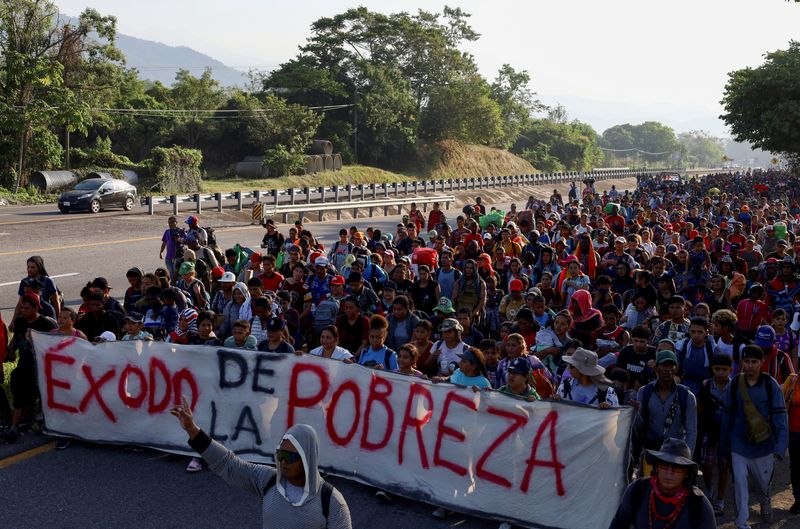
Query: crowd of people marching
681,299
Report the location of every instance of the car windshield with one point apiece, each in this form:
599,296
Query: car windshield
88,185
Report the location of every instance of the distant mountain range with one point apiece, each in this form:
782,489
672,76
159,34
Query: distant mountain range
160,62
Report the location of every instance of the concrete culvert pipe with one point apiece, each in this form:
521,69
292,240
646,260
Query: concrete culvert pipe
327,162
252,170
310,165
48,181
337,162
319,166
321,147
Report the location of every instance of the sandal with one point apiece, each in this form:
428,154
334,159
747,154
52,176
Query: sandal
194,465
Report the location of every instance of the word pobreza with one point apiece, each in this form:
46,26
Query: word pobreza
545,464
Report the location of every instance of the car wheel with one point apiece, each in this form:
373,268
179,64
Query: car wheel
63,210
95,206
128,204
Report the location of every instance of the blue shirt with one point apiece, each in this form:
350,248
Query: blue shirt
734,423
379,357
458,377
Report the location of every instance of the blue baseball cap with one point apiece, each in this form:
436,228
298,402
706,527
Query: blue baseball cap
519,366
765,336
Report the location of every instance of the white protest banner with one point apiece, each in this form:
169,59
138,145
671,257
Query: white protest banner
542,464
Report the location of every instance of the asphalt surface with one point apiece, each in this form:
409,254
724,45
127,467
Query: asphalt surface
94,486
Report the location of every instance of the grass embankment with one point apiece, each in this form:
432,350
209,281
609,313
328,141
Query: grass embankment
442,160
351,174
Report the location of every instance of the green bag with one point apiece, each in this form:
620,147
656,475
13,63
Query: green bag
495,217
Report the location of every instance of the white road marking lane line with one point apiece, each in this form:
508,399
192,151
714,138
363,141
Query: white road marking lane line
51,277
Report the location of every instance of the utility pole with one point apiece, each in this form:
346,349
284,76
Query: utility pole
355,124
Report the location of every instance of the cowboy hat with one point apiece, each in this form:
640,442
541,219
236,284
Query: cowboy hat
673,451
585,361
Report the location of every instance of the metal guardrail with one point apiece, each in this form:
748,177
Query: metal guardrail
384,203
313,197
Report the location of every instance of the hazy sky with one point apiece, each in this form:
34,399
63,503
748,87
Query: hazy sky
636,53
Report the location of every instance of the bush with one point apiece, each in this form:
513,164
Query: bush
176,169
283,162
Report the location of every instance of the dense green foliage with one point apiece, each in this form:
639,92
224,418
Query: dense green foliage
762,105
379,86
176,169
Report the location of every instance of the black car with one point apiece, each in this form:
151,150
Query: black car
97,194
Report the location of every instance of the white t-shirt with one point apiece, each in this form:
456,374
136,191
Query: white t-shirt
586,394
721,347
448,356
339,353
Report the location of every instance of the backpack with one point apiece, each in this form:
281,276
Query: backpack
685,349
647,392
695,501
600,396
325,495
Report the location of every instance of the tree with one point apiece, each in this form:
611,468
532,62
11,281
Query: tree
38,55
463,110
702,149
555,146
762,105
192,94
517,101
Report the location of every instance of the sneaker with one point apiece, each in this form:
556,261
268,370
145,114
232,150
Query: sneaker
63,444
719,507
194,465
795,508
441,513
505,525
10,435
383,496
766,511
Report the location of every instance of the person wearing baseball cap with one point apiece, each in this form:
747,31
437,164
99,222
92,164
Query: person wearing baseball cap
276,338
777,363
195,234
471,371
134,328
320,282
587,383
513,301
665,409
517,380
670,495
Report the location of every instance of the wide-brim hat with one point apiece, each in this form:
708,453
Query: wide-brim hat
673,451
585,361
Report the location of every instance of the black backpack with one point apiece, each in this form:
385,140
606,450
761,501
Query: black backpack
325,494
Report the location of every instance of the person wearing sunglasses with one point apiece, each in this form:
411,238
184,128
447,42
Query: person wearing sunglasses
293,495
668,498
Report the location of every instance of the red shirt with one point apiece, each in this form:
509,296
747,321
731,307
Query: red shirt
473,237
272,283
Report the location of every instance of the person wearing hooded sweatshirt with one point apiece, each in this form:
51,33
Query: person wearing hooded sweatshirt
585,319
292,494
236,309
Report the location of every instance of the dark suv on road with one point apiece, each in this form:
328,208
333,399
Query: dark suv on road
97,194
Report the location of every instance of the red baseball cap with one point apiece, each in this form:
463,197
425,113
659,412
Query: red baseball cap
337,280
515,285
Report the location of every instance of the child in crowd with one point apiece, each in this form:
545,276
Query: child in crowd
134,328
470,335
492,358
169,310
517,377
240,336
709,423
545,286
407,355
377,355
471,371
610,338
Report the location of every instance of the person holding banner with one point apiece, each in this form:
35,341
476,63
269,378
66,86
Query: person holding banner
294,494
668,498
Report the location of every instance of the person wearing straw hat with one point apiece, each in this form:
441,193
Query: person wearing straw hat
587,382
668,498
